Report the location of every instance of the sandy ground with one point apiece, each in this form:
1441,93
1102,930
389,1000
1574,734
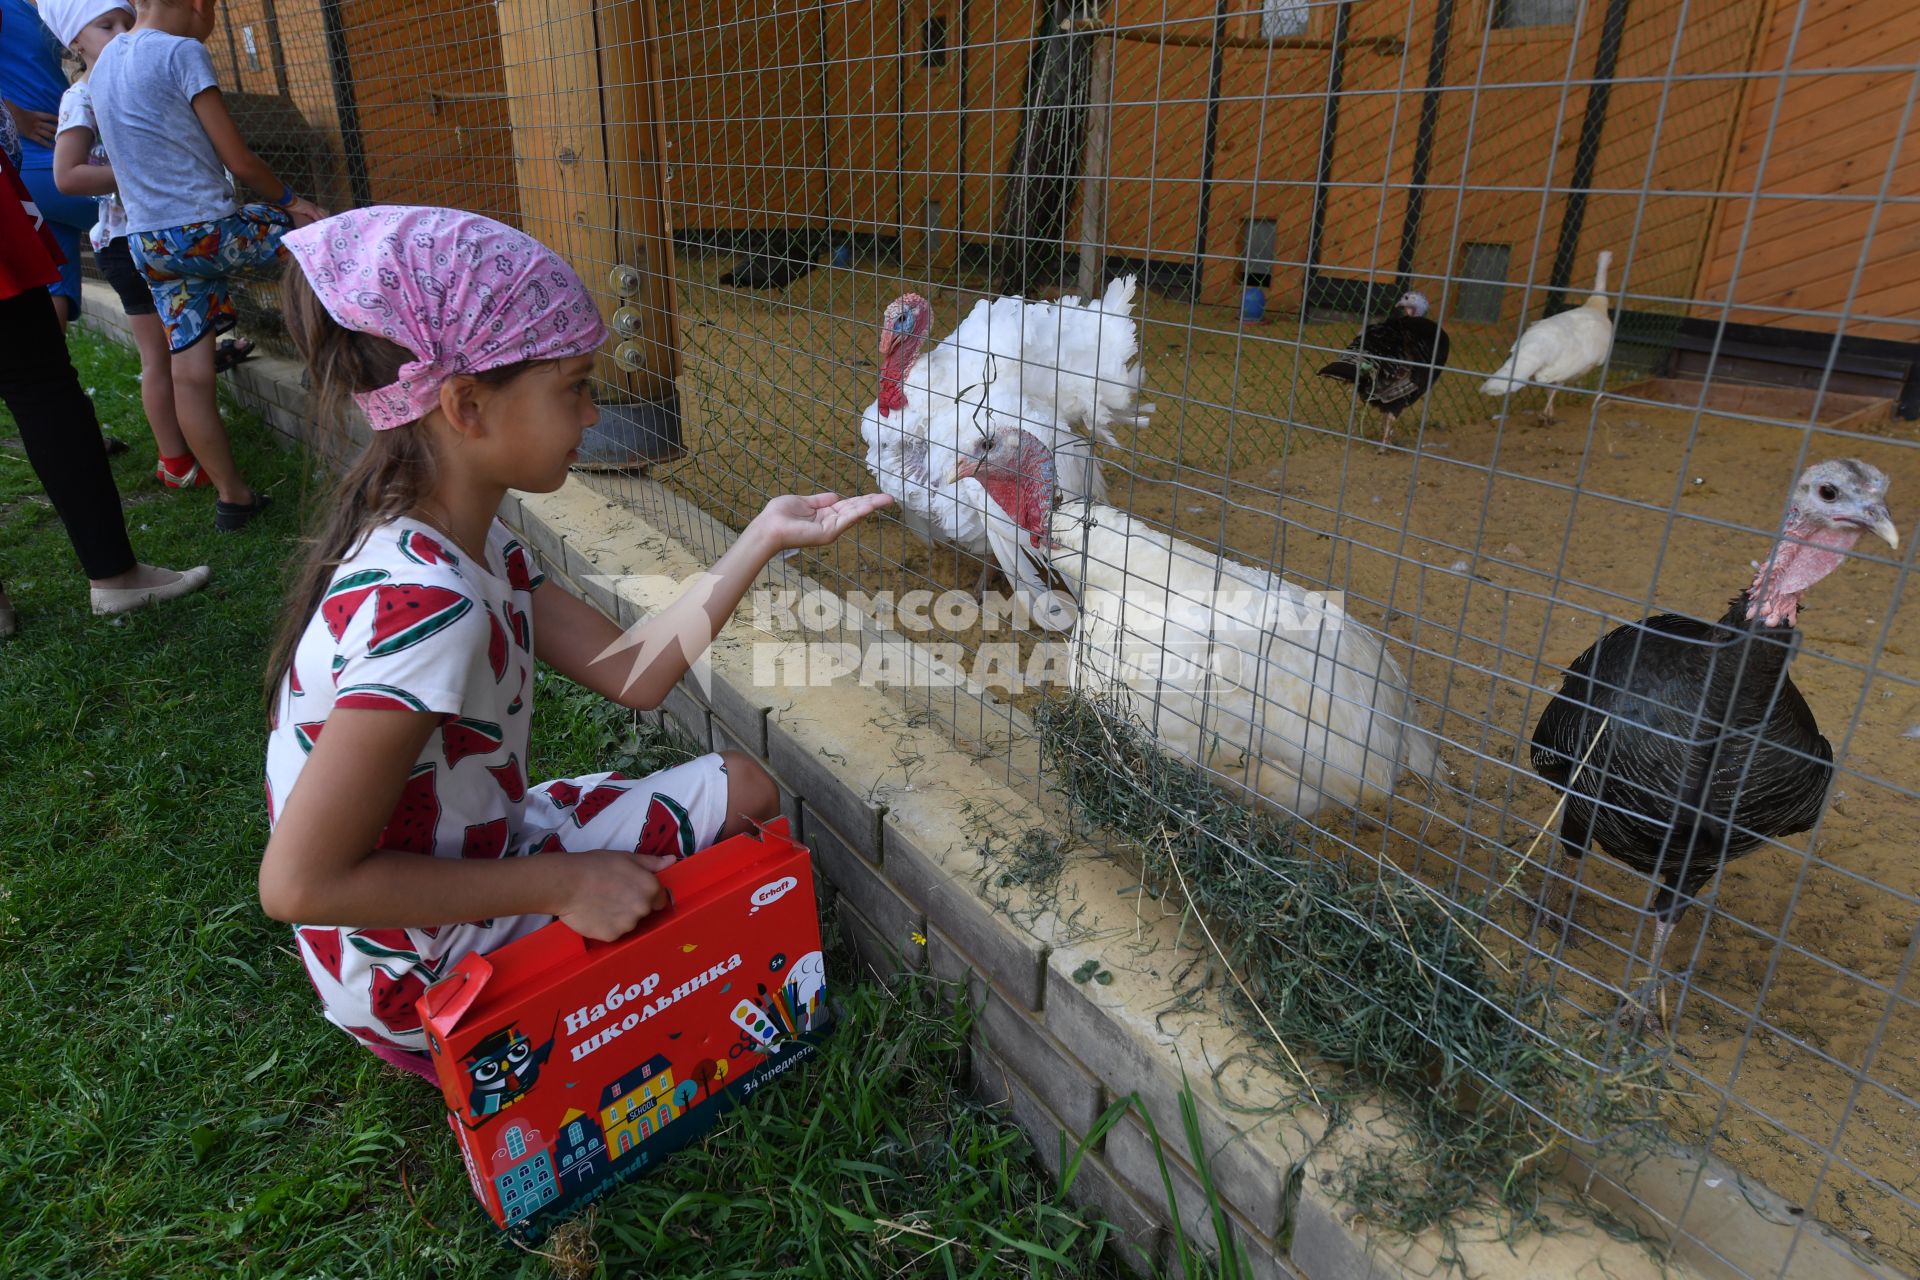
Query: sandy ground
1495,552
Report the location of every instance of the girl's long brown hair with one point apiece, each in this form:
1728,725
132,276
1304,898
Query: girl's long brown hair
390,476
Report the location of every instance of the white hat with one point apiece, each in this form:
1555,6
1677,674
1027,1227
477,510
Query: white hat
68,18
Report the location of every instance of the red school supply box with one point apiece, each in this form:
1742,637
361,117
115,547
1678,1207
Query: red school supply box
569,1066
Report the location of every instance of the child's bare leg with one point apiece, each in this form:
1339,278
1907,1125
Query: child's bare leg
752,796
197,399
156,384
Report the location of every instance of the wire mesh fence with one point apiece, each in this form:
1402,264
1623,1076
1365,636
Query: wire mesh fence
749,186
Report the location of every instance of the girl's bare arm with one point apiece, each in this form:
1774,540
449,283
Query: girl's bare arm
321,866
571,636
71,172
211,109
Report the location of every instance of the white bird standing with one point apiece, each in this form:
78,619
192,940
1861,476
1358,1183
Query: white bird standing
1559,348
1267,685
1063,371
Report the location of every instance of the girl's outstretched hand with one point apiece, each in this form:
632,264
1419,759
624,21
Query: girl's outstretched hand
812,520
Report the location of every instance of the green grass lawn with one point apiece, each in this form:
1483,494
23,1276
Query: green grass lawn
174,1105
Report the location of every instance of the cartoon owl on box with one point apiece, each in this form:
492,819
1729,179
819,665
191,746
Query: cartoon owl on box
503,1067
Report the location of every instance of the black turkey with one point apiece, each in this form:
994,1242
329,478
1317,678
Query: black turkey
1391,364
1681,744
774,266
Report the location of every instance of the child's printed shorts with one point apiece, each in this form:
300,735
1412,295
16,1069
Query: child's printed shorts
187,267
369,979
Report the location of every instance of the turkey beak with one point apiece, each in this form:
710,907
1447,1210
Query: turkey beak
1878,519
967,466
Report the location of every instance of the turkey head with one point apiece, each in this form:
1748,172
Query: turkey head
1017,470
1834,502
903,327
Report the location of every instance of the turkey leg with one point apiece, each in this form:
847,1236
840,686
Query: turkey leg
1555,903
980,583
1636,1006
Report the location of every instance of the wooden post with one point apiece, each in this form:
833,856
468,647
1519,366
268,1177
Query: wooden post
1093,180
587,144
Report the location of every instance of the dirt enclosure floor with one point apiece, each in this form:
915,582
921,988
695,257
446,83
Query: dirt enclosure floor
1493,552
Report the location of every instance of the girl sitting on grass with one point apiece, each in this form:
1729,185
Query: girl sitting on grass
404,832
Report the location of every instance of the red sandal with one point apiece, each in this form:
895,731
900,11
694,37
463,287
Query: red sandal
167,471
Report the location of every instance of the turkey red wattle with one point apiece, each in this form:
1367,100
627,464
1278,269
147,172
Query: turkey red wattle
1023,487
903,327
1808,553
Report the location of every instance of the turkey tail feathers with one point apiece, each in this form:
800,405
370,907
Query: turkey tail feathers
1502,380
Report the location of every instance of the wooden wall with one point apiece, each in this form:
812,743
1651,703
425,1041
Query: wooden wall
841,116
747,138
836,120
1832,134
432,103
424,79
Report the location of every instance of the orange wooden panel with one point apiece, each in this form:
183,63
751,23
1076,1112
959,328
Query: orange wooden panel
745,112
862,45
634,109
930,128
432,103
1159,122
998,44
1841,33
1271,106
1373,153
1665,139
1801,253
239,71
1189,17
303,46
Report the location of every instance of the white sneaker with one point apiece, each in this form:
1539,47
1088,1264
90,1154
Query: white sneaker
110,600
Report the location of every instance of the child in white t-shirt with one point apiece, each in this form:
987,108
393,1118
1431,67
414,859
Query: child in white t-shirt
81,168
405,833
162,117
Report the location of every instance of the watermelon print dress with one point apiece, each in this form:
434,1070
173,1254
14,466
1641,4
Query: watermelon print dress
410,622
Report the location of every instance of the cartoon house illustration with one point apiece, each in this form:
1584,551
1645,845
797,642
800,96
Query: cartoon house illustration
580,1152
635,1107
525,1179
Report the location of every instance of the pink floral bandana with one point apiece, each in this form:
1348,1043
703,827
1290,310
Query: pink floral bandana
462,292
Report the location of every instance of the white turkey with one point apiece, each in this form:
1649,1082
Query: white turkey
1063,371
1556,349
1265,684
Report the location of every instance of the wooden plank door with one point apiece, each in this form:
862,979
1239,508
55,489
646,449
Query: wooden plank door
931,70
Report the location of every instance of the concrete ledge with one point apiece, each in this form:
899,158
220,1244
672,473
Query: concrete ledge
899,818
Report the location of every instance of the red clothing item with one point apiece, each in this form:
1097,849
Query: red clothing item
29,256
